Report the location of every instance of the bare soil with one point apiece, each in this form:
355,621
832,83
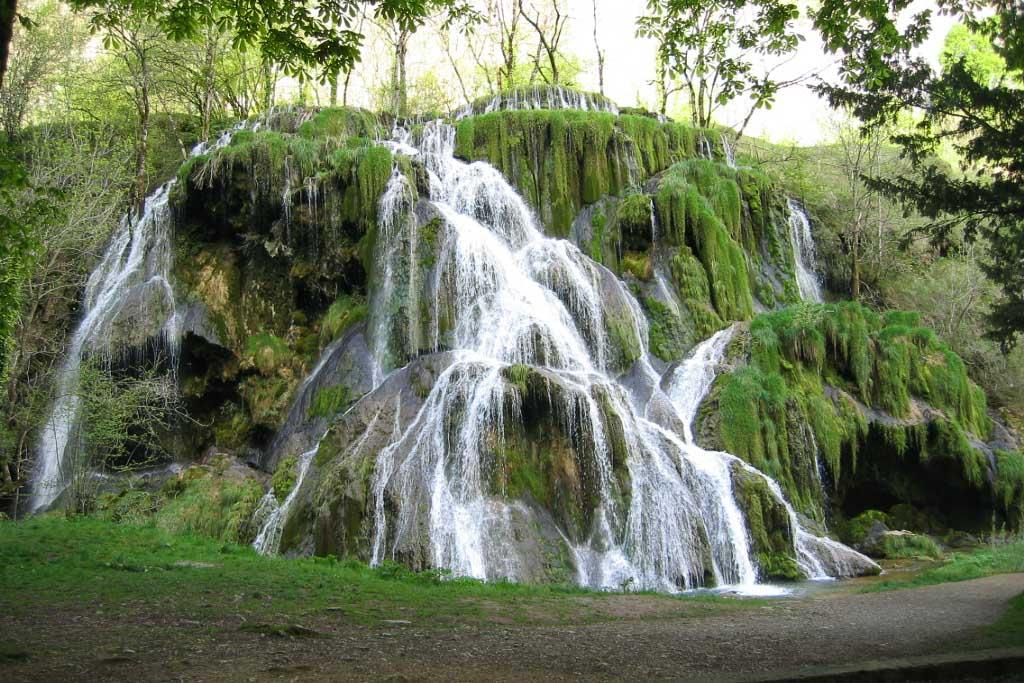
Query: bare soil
631,637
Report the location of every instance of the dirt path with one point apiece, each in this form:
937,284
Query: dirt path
825,628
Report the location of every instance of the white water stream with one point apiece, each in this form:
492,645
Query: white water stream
136,266
804,256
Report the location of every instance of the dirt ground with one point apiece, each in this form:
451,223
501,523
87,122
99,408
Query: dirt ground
640,640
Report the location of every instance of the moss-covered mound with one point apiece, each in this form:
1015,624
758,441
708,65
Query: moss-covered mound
561,160
274,240
700,247
851,410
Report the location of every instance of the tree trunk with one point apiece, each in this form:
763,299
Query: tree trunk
662,86
400,103
334,90
600,54
855,266
8,15
344,92
209,84
268,85
142,144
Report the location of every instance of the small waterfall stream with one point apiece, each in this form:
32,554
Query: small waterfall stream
804,256
135,266
728,151
268,540
541,97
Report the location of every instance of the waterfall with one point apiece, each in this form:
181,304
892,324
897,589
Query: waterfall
268,540
512,297
540,97
803,253
135,267
518,297
728,151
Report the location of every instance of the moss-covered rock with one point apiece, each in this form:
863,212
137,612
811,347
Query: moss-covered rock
846,407
274,249
768,524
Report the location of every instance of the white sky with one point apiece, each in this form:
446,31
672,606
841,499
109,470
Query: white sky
798,115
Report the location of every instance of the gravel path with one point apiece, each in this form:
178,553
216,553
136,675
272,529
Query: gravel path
830,627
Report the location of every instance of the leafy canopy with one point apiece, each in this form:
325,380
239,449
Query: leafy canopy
715,47
973,104
295,34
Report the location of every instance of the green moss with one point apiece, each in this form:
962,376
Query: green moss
638,265
858,527
1009,483
668,338
267,353
329,401
699,207
693,290
767,407
347,310
342,122
561,160
284,477
768,526
909,546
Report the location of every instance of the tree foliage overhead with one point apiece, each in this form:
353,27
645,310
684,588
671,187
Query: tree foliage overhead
714,49
973,104
296,34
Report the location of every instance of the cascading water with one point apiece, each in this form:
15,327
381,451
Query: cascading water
728,151
804,254
511,299
541,97
275,515
135,268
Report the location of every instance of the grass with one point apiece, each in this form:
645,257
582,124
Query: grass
53,563
1009,630
1003,559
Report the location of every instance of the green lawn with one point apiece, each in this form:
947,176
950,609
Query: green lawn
66,563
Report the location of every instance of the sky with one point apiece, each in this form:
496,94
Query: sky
798,115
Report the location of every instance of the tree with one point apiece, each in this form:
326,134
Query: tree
714,47
861,213
296,34
549,26
600,53
120,426
981,118
136,43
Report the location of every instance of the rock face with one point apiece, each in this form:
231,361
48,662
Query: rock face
436,376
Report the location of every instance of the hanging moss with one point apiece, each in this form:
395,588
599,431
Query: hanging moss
796,401
1009,486
284,477
267,353
771,537
668,336
561,160
699,207
342,122
329,401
